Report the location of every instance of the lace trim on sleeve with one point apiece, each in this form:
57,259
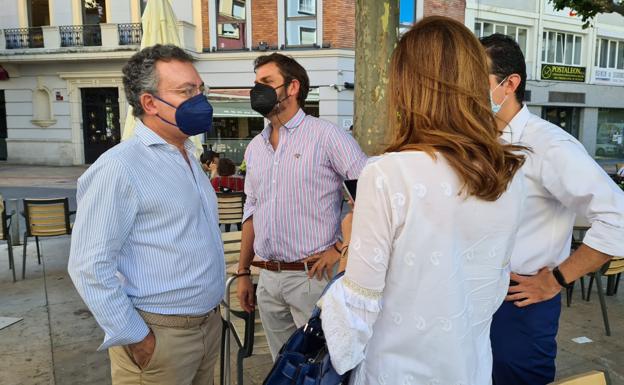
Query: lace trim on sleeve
357,289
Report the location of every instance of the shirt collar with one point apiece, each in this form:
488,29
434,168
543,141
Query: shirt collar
512,133
150,138
290,125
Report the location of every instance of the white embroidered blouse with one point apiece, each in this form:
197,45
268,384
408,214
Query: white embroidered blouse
427,269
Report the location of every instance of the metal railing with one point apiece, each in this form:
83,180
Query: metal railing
130,34
80,35
23,38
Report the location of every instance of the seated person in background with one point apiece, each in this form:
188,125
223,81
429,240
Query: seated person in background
209,161
225,180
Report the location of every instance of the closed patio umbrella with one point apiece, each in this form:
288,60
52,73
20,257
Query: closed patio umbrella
159,25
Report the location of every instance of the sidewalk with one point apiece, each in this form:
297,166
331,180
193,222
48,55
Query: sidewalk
56,342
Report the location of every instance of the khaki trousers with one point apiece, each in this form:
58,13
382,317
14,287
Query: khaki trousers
182,356
285,300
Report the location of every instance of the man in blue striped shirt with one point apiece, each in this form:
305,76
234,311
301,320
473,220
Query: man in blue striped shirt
146,253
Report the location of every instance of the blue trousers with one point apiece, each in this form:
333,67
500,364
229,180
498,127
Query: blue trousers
523,343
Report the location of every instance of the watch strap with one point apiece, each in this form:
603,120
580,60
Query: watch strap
560,278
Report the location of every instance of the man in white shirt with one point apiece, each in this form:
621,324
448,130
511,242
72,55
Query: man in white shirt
562,180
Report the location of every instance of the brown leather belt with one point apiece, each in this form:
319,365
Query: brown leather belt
175,321
282,266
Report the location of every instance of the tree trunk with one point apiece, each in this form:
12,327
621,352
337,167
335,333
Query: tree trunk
376,31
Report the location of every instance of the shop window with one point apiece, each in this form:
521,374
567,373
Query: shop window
610,54
609,135
301,22
561,48
519,34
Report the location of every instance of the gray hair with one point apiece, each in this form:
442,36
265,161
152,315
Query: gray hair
140,75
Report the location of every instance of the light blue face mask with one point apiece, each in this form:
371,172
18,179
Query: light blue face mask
497,107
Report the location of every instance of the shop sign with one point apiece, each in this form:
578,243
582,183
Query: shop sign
563,73
609,76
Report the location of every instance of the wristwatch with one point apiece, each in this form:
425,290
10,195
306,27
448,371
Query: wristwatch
560,278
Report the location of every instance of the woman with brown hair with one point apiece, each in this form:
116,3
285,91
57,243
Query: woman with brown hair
433,225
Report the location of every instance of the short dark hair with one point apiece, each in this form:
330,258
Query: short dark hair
140,75
208,156
506,58
226,167
290,69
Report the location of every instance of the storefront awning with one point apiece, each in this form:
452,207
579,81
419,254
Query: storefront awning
233,110
4,74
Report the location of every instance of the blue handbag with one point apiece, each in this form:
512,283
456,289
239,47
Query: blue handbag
304,359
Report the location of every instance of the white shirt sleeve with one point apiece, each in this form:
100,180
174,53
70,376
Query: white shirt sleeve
580,184
351,306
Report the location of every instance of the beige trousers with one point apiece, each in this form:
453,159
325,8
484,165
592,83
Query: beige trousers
285,300
181,356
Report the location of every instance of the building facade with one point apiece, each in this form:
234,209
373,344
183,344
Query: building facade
575,75
62,99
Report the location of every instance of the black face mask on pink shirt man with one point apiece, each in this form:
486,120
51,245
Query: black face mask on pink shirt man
263,98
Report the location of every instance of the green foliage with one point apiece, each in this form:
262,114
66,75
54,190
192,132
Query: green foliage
588,9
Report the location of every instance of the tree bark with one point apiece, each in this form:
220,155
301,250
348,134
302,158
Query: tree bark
376,32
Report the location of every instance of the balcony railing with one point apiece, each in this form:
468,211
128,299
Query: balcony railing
80,35
23,38
130,34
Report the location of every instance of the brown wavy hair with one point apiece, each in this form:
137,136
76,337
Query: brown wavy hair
439,103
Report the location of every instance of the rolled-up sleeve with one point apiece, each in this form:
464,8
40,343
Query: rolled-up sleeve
576,180
107,208
351,306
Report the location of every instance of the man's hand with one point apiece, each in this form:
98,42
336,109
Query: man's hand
142,351
324,264
529,290
245,292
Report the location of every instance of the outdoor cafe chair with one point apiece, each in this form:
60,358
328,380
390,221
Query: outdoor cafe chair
613,268
244,328
593,377
5,234
230,206
45,218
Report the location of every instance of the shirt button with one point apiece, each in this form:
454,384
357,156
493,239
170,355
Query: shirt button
273,180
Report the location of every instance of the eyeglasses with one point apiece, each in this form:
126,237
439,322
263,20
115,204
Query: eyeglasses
191,91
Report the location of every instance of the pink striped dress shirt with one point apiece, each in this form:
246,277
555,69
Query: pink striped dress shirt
294,193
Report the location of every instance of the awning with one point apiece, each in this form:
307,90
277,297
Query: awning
4,74
233,110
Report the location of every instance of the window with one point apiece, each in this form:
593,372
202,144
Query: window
610,54
231,23
38,13
143,4
519,34
561,48
300,22
307,7
609,135
93,12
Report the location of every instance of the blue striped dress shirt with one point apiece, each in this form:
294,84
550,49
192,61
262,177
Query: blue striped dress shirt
146,237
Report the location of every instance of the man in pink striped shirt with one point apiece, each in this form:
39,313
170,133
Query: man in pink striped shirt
291,220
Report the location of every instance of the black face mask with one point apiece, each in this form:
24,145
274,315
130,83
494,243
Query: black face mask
263,98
